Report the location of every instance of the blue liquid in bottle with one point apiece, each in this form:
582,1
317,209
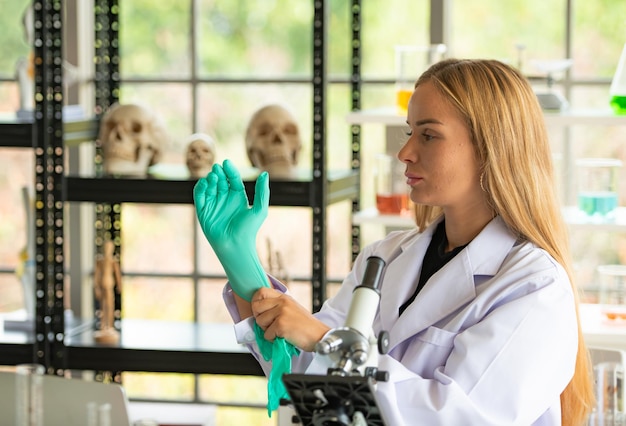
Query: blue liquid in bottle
597,203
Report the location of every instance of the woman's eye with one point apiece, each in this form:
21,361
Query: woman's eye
427,137
409,132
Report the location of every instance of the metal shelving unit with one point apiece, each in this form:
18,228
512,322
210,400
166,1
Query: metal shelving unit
300,193
145,345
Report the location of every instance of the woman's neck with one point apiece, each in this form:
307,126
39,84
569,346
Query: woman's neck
462,227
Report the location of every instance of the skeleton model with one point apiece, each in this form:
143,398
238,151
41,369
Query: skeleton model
273,141
276,266
107,281
200,155
133,138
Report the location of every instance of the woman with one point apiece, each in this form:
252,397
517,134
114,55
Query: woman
478,301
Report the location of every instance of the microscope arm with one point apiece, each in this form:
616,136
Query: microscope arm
349,347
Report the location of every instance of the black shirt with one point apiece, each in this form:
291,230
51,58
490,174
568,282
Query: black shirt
434,259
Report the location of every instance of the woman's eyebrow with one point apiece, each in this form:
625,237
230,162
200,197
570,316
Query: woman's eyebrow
426,121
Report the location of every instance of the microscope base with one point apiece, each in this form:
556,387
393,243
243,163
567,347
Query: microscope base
323,400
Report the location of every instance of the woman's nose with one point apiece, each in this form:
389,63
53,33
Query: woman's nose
405,154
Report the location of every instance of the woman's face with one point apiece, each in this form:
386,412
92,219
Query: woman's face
441,167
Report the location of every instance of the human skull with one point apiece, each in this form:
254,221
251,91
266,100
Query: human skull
273,141
133,138
200,154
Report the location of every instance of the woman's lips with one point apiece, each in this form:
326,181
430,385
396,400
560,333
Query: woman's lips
412,180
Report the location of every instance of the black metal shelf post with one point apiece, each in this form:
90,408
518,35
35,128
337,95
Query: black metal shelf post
49,172
107,79
318,279
355,129
108,214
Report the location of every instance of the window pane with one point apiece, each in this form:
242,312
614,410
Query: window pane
589,250
157,238
594,140
339,240
387,23
590,98
11,293
160,386
211,308
170,299
9,99
598,37
339,49
238,389
244,416
260,38
225,110
302,291
154,38
16,191
207,261
338,137
13,38
16,175
172,102
493,29
281,235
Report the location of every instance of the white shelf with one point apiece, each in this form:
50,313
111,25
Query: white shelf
605,117
578,221
575,219
386,115
588,117
371,216
599,331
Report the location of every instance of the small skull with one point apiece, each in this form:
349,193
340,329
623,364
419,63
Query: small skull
200,154
273,141
133,138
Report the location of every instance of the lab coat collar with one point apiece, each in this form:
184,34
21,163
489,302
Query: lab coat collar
449,288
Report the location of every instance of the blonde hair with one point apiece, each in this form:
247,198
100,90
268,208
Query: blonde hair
508,132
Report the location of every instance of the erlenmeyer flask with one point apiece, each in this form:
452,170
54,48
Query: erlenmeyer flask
618,86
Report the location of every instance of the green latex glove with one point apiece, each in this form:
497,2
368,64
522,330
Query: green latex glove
231,225
279,352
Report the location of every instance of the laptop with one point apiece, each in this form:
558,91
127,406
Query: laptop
68,402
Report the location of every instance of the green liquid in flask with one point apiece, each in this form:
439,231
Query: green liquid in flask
618,103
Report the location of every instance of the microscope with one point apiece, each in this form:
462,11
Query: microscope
345,396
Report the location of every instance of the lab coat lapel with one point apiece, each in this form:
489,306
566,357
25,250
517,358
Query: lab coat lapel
448,289
451,287
402,275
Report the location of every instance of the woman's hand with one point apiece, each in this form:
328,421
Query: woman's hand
280,315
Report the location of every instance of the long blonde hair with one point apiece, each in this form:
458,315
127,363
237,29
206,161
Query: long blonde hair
508,132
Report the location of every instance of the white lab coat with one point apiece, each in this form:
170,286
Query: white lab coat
490,340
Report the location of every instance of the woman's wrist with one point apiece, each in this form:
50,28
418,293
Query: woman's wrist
243,306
